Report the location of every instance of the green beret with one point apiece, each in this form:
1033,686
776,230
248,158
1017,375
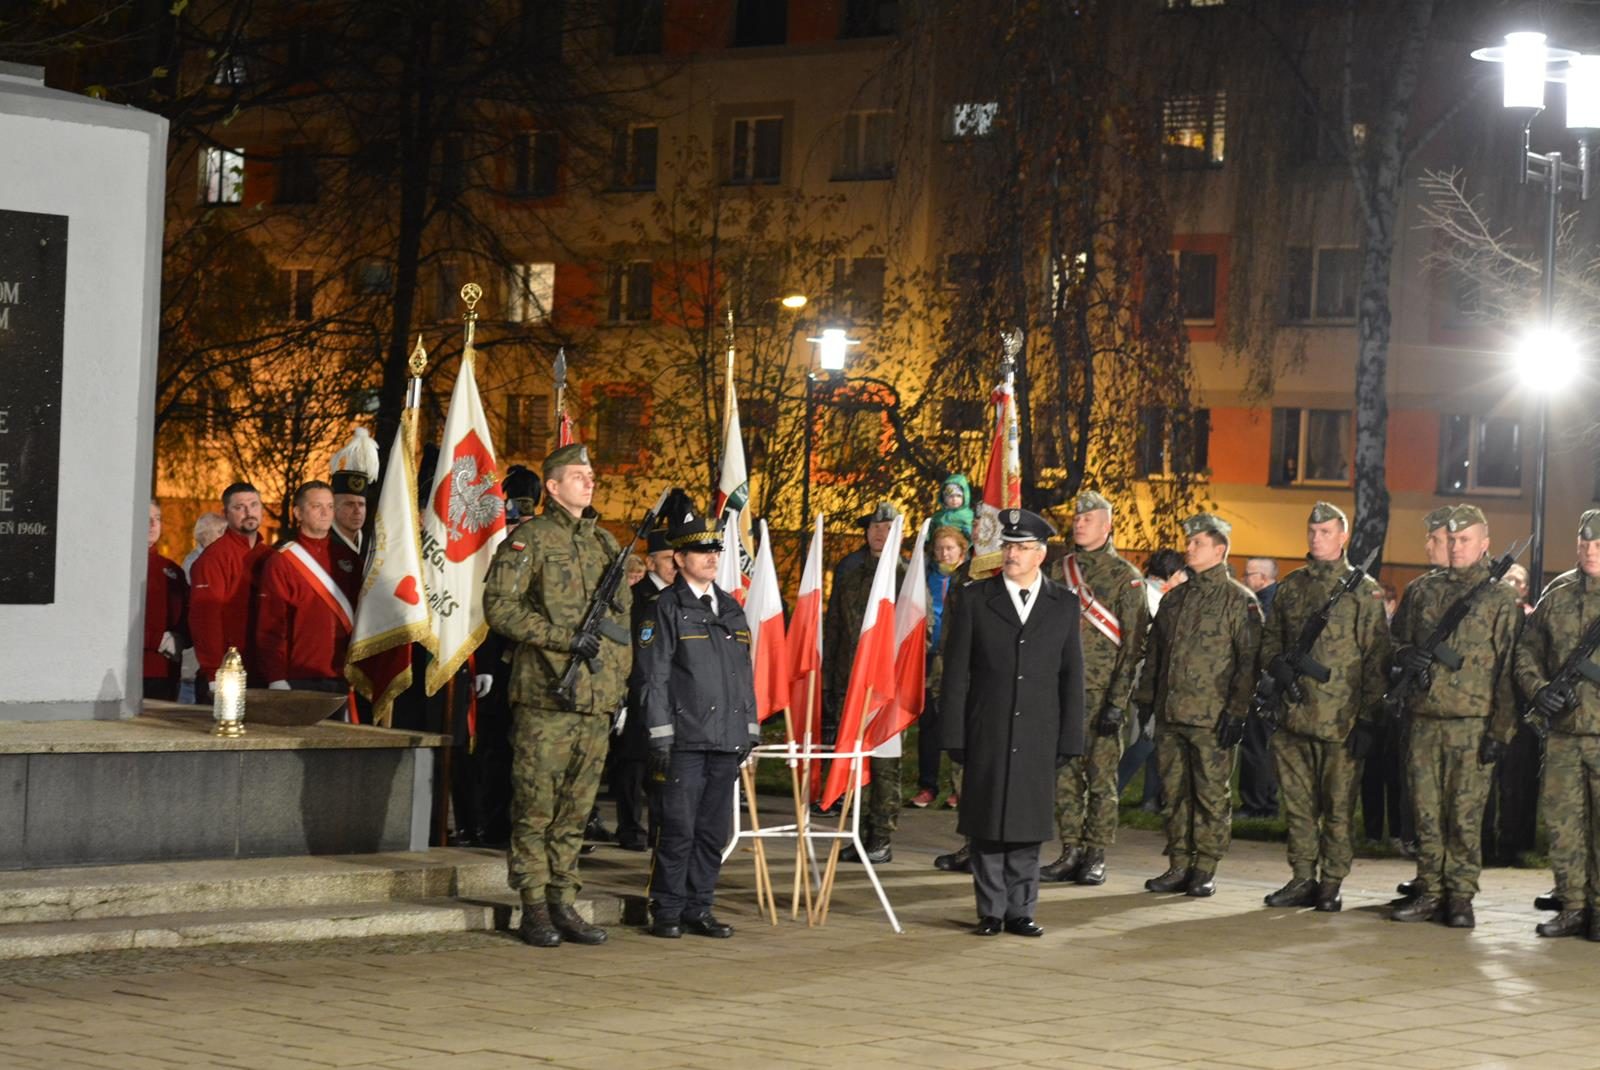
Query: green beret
1437,519
1089,501
572,453
1323,512
1589,525
1209,523
884,511
1464,516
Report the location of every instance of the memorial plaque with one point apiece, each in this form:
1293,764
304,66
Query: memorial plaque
33,296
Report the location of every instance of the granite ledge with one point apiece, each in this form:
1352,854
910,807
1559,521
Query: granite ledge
176,728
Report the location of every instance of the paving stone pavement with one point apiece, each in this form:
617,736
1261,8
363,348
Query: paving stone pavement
1122,978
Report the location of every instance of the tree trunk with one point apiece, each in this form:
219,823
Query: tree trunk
1372,397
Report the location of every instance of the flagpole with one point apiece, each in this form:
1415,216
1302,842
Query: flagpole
851,798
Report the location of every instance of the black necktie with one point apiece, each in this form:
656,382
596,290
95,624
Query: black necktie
1023,594
705,599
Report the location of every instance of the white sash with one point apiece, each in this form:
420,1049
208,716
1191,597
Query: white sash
329,590
1104,621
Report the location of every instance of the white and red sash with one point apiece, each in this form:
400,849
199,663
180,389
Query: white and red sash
321,582
1104,621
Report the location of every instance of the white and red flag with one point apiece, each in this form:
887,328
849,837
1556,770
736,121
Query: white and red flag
910,649
463,524
730,577
769,653
392,612
805,646
1002,481
872,678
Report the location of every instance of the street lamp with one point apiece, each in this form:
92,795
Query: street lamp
1528,61
833,347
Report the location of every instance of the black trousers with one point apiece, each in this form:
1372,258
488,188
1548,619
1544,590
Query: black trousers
696,821
1382,791
1005,877
627,785
1258,781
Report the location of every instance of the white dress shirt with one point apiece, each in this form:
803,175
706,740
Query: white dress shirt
1023,608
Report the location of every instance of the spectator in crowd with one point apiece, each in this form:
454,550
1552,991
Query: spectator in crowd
207,529
949,553
1258,781
222,590
166,612
304,616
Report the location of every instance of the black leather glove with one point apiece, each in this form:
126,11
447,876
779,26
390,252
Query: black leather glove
660,765
1110,721
1286,678
585,645
1417,660
1552,701
958,756
1362,738
1062,760
1230,731
1491,750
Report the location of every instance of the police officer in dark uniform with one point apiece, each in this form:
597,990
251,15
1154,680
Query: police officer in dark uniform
699,712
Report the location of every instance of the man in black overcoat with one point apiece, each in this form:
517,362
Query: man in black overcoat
1012,637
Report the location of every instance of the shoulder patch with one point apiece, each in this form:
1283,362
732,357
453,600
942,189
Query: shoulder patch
519,546
647,633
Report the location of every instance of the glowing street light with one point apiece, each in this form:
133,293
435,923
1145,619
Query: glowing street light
832,347
794,300
1547,361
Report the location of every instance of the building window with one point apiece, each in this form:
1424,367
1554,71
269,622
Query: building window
760,22
621,415
296,290
1173,443
373,276
538,156
1479,455
630,290
222,176
1197,287
965,271
633,158
1320,285
231,71
527,431
971,119
1311,447
757,150
866,149
858,288
531,292
297,176
756,291
961,416
869,18
1193,128
639,25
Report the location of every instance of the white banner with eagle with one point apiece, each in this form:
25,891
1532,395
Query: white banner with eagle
463,523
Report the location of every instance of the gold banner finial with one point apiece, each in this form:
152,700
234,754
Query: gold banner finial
419,359
471,293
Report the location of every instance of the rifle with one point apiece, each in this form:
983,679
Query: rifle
1564,684
604,602
1281,676
1409,678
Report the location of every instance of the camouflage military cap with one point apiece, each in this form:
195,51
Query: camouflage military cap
1438,518
1589,525
1210,524
1089,501
1464,516
572,453
884,511
1323,512
697,533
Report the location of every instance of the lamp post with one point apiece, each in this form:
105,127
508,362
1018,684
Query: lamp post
833,346
1546,359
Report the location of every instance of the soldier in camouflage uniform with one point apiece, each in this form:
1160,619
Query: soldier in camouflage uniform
1570,791
537,591
1200,662
1459,723
1327,728
841,631
1111,598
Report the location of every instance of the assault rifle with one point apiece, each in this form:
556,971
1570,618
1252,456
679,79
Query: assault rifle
604,602
1562,690
1415,674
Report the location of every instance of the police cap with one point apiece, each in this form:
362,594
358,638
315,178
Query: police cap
696,533
1022,525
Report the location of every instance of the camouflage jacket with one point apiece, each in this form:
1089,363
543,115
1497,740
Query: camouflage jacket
841,626
1200,658
1109,670
537,591
1354,648
1486,641
1569,605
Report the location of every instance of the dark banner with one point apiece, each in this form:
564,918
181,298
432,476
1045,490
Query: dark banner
33,304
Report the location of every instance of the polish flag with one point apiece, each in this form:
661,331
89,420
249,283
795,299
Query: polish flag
805,645
873,669
730,577
910,649
392,612
763,608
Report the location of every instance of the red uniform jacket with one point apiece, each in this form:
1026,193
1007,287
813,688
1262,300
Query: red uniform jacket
222,599
303,618
347,565
166,609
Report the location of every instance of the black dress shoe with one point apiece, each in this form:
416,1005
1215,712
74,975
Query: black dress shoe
666,928
988,927
1093,869
1566,923
633,845
956,861
1023,927
1201,884
536,930
1299,892
1329,901
1064,868
706,925
1548,901
1458,913
595,830
1175,879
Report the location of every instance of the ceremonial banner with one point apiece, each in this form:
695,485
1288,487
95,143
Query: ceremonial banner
392,612
463,524
763,608
910,649
730,577
1002,482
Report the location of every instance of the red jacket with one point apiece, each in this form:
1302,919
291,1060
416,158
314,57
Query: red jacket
166,609
302,630
221,600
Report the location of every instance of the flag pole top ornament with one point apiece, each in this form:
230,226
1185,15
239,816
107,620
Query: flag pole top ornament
1011,342
472,293
419,359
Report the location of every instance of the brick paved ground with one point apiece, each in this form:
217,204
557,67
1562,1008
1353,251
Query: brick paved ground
1122,979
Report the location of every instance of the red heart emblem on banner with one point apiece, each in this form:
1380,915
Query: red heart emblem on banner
406,590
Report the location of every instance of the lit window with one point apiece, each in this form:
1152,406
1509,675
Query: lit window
1193,128
222,176
971,119
1311,447
531,292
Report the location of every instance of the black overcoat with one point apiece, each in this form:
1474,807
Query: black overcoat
635,740
1013,701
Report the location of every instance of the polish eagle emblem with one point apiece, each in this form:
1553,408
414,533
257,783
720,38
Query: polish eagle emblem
469,501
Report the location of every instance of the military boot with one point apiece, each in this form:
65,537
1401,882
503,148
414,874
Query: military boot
1594,926
1202,883
1093,869
878,852
1064,868
1329,901
1424,907
1408,890
535,929
1548,901
574,928
1175,879
1299,892
1458,913
1566,923
956,861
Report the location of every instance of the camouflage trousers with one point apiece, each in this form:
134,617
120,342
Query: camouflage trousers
880,811
555,772
1195,775
1086,794
1449,790
1317,783
1569,796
